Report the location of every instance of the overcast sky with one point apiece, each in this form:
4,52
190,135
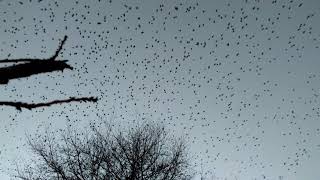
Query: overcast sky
239,79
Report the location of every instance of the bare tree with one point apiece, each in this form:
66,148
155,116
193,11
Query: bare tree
142,153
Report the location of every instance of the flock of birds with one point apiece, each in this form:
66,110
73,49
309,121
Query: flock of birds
238,79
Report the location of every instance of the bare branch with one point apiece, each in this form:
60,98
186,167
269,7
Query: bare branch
31,67
20,105
16,60
59,49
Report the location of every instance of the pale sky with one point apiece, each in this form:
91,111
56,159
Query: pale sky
239,79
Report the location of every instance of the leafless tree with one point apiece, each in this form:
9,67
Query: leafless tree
145,152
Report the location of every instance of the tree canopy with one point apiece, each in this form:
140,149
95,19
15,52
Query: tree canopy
143,152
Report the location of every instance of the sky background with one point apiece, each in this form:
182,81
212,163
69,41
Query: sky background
239,79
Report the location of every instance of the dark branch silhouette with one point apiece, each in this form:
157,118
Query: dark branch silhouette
16,60
31,67
20,105
59,49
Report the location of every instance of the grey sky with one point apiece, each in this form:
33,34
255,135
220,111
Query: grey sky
239,78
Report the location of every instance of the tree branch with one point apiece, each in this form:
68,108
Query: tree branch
20,105
59,49
16,60
33,59
30,67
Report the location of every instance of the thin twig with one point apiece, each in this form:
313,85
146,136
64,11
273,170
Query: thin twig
59,49
35,59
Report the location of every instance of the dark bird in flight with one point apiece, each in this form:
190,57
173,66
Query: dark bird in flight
29,67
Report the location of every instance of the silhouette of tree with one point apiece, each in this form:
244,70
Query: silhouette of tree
142,153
